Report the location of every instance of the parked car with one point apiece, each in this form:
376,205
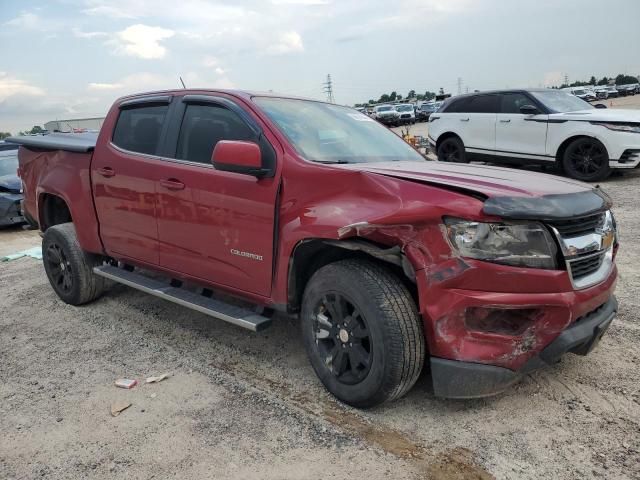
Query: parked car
387,115
581,92
627,89
407,113
612,91
10,187
424,112
602,93
299,206
541,126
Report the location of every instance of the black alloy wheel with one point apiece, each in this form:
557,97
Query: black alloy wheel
452,150
342,338
586,159
59,268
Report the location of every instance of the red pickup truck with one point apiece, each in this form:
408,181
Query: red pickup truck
240,205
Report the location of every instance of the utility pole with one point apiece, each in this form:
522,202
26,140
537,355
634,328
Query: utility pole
566,79
328,89
459,85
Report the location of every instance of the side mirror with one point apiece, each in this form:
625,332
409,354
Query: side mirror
529,110
600,105
238,157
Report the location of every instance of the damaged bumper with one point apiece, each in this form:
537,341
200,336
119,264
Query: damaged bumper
458,379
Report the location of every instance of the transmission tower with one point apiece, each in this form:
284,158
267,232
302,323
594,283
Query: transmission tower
328,89
566,79
459,85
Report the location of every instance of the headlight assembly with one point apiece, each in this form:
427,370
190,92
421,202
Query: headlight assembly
517,244
620,127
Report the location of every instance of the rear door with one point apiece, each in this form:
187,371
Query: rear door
474,120
124,182
213,225
519,135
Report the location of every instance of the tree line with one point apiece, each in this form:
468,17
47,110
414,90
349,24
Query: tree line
396,97
37,129
620,79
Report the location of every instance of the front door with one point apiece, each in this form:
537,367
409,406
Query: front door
519,135
122,173
213,225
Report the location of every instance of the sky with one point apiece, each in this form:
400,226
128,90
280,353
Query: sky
72,58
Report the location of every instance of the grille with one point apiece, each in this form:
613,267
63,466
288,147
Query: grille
405,115
629,156
579,226
582,267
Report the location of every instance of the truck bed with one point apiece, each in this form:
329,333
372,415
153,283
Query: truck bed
70,142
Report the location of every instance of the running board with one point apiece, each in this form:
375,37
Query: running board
243,317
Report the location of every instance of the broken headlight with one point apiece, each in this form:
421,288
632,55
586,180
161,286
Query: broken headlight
517,244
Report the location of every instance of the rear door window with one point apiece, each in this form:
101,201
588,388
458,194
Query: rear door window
205,125
483,104
138,128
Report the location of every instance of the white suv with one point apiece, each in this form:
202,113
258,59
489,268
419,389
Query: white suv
407,113
540,126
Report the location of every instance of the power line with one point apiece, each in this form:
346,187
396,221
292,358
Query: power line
328,89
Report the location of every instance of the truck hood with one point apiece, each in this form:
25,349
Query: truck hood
599,115
10,184
508,193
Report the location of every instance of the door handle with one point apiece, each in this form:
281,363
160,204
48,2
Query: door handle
505,120
464,119
106,172
172,184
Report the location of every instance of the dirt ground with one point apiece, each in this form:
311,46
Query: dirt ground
239,405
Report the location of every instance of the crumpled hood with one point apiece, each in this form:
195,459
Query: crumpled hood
10,184
508,193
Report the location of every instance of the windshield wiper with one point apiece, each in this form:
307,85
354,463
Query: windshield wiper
331,161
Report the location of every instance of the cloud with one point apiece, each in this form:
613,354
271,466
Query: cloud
104,86
288,42
25,20
10,86
142,41
210,62
81,34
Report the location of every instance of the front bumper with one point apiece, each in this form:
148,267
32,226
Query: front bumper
458,379
10,209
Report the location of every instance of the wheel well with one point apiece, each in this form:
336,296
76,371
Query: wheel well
444,136
311,255
563,146
53,211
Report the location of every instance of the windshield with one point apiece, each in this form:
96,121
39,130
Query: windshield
428,107
404,108
561,102
579,92
8,164
386,108
326,133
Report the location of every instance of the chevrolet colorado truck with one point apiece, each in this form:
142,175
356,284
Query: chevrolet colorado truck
240,205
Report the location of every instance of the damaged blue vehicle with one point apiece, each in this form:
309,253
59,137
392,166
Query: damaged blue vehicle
10,187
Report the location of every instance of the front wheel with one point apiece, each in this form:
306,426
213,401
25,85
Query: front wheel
586,159
362,332
452,150
68,267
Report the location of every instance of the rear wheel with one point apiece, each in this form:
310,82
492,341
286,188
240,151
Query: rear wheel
451,149
362,332
68,267
586,159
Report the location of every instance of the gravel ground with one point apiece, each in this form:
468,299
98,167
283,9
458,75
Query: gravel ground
239,405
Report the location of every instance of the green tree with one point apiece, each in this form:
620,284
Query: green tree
622,79
429,95
36,129
411,94
384,98
4,135
393,96
603,81
592,80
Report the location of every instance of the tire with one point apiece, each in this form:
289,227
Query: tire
384,339
452,150
586,159
69,268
